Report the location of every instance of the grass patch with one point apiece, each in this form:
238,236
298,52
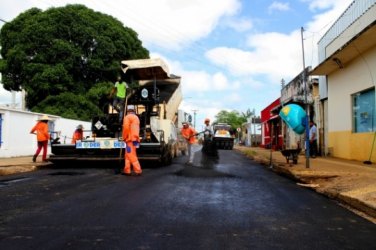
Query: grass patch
249,153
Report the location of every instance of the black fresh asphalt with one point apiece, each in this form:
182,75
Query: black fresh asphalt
226,203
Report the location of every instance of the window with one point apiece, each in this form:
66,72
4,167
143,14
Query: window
364,119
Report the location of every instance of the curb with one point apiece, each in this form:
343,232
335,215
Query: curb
362,208
21,168
352,202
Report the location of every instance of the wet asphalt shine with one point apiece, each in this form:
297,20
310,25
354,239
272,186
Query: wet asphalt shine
224,202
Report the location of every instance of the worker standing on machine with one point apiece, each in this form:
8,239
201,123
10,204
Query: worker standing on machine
120,92
131,137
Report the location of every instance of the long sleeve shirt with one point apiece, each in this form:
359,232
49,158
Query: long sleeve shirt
77,135
41,128
131,128
188,134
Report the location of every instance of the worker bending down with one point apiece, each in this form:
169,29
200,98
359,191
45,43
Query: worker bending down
78,134
131,137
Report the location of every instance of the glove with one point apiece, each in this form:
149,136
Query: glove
128,149
136,144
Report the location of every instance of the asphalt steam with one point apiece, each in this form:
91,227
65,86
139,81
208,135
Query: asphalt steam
204,166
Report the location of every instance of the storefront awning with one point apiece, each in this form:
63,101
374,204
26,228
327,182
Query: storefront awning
352,49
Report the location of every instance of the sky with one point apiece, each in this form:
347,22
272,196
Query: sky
230,54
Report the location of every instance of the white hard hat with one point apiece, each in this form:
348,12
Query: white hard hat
130,107
44,118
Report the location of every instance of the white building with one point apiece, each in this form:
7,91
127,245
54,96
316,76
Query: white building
347,70
15,126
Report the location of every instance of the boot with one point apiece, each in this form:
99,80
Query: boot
34,158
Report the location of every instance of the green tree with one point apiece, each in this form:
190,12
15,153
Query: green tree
233,118
69,102
248,114
65,49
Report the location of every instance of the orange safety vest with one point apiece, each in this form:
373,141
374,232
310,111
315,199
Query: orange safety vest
42,131
188,134
131,128
77,135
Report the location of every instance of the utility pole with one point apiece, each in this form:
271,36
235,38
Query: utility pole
306,104
194,117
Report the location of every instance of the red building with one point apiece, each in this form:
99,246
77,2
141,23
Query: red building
271,128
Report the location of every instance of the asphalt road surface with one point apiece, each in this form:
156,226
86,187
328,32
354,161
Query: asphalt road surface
226,203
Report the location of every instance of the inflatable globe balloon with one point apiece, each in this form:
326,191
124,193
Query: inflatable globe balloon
294,116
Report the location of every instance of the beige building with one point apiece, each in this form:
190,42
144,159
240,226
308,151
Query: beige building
347,70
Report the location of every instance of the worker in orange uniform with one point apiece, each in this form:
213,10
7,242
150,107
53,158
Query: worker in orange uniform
41,130
189,134
78,134
131,137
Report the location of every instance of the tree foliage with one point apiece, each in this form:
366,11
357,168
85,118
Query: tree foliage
248,113
66,49
233,118
66,105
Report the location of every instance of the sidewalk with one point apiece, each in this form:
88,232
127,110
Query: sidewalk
352,183
21,164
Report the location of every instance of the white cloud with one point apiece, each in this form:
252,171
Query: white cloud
327,4
5,96
172,24
278,55
219,81
234,97
9,99
279,6
201,81
164,23
273,54
239,24
321,22
196,81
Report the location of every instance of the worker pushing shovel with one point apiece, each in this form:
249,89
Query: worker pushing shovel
189,134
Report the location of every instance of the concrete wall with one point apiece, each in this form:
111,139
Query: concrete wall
342,84
16,139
